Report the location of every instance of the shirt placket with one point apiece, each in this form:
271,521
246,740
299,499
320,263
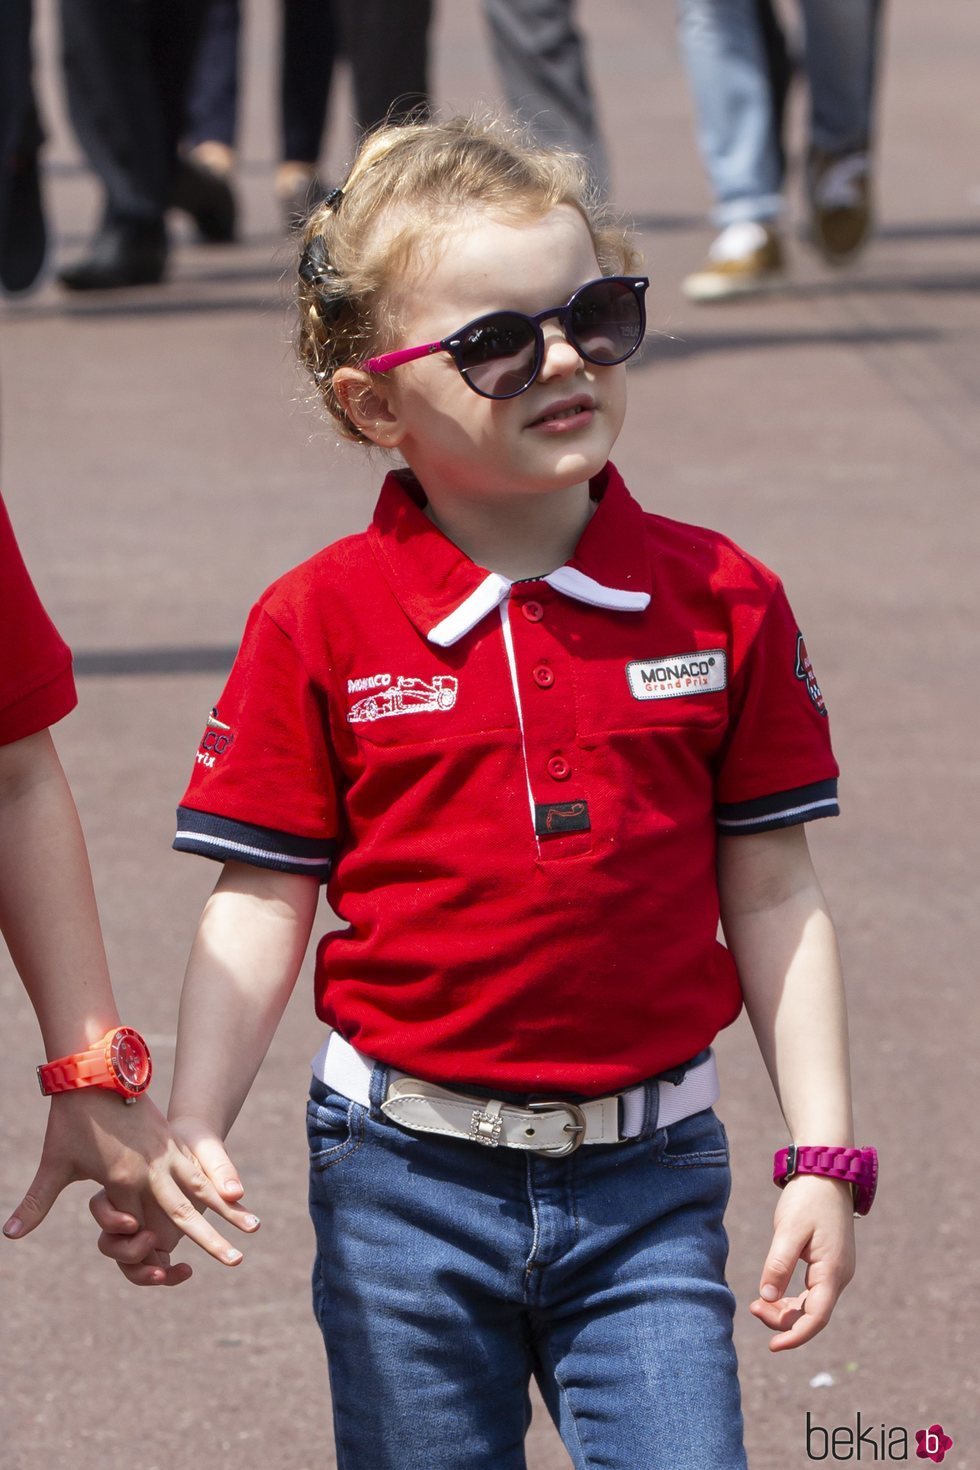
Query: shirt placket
541,678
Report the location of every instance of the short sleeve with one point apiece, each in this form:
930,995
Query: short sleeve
262,789
777,767
37,687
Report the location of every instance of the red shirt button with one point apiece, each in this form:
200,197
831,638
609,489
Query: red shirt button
543,676
533,611
559,768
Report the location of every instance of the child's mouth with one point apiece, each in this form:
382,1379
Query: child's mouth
563,417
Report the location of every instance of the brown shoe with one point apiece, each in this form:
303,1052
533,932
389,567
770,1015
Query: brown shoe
745,259
839,190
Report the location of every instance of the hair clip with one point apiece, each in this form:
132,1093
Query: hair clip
314,265
332,200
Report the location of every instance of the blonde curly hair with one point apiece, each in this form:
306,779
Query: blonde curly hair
405,181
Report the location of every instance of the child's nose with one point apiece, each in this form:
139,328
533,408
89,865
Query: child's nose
560,358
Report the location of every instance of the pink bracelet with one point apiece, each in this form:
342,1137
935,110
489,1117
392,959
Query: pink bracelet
856,1166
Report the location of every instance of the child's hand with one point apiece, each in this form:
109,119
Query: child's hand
158,1183
814,1222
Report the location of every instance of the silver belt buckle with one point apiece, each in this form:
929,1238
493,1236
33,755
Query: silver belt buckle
576,1127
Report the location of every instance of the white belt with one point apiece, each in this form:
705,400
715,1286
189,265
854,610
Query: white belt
554,1128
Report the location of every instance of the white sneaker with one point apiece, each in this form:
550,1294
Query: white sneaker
746,258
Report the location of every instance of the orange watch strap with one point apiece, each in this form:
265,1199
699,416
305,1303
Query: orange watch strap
93,1067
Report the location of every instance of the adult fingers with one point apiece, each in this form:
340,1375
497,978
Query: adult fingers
111,1219
156,1270
45,1188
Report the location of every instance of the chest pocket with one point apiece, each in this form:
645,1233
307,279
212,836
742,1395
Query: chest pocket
686,690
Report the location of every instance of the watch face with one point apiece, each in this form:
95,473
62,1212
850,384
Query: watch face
129,1057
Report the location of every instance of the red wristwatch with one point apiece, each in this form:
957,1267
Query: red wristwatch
120,1061
858,1167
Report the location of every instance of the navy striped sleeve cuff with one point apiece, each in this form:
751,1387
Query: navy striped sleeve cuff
783,809
229,841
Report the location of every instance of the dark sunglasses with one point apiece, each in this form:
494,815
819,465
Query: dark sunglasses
500,355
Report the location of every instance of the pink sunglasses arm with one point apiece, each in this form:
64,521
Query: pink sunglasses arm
388,360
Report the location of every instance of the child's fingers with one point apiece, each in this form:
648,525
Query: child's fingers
777,1273
199,1186
818,1305
210,1153
779,1316
190,1222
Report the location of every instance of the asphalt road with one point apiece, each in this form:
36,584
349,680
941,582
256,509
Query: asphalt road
161,467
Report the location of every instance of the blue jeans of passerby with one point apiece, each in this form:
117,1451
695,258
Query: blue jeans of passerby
725,56
448,1273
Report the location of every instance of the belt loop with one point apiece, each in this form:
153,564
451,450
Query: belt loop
379,1090
651,1109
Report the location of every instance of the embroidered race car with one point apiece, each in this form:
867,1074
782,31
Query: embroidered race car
405,697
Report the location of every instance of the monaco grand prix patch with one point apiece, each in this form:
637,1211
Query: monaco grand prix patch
217,738
804,671
703,672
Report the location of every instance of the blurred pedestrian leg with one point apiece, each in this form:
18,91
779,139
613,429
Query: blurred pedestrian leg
725,54
23,238
309,49
387,45
782,66
127,64
730,70
204,186
541,58
841,42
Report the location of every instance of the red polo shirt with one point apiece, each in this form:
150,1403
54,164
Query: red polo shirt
513,790
36,683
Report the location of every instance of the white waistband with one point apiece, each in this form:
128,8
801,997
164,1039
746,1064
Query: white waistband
344,1069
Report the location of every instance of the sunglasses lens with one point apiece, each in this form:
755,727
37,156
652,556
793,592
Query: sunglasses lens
497,354
606,321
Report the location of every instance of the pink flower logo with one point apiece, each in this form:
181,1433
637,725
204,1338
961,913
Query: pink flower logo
933,1443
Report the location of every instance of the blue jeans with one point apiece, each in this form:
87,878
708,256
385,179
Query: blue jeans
724,51
448,1273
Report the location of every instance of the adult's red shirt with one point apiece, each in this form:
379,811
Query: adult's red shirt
36,683
514,790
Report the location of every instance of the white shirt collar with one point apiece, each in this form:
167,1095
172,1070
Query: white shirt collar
495,589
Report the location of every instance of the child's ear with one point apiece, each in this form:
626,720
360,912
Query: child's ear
364,398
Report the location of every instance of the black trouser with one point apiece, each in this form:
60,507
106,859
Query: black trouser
127,64
18,113
385,41
308,51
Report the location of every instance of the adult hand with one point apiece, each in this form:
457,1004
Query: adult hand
157,1183
814,1222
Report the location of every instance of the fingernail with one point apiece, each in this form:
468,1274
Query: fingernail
769,1293
233,1257
156,1278
13,1228
251,1222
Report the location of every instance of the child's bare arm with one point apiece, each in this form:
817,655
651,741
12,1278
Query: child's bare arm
781,934
242,968
49,919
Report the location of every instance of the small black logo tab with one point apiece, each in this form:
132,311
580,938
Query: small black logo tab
561,816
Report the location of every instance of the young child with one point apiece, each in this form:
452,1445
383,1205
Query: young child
535,741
